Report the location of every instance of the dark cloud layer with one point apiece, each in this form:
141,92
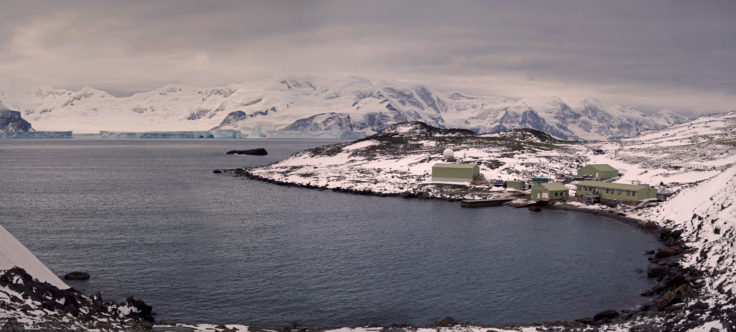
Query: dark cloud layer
676,54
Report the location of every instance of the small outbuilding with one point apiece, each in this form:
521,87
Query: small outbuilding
599,171
461,173
540,179
550,191
520,185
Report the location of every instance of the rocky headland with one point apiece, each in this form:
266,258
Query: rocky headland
12,122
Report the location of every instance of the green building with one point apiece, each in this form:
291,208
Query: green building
598,171
550,191
616,191
521,185
539,179
455,172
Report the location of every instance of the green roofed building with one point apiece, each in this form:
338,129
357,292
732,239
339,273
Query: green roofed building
598,171
455,172
521,185
551,191
616,191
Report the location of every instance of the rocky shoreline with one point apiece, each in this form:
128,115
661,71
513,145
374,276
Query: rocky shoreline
46,307
245,172
676,284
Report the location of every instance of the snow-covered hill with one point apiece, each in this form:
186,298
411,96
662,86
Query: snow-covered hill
294,104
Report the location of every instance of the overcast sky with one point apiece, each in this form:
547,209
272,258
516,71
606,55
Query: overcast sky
652,54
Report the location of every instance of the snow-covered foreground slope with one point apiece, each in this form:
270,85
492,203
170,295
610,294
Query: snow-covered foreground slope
13,253
333,106
693,161
32,297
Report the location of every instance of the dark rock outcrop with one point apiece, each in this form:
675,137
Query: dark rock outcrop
11,121
445,322
76,275
667,252
656,271
232,120
62,302
322,122
254,152
606,315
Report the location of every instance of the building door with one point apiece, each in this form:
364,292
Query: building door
545,195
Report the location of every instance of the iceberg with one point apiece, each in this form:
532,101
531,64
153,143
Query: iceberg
222,133
36,134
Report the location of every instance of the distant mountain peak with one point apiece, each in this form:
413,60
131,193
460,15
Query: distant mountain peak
370,105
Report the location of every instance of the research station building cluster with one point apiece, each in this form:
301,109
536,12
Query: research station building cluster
593,184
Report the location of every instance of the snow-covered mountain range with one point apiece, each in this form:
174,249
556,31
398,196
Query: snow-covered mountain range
307,105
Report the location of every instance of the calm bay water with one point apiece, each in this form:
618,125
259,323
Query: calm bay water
149,218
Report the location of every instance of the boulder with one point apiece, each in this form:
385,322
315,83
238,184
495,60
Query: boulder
253,152
447,321
606,315
646,327
12,325
676,233
586,320
700,305
668,298
656,271
77,275
650,225
667,252
144,312
677,281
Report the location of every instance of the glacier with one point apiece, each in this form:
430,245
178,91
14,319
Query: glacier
349,105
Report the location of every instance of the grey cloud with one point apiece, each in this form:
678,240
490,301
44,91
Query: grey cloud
594,45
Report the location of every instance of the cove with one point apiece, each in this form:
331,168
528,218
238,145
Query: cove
148,218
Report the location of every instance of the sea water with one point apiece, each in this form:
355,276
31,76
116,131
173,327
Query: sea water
149,218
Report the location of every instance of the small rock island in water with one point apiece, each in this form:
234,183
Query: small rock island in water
253,152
